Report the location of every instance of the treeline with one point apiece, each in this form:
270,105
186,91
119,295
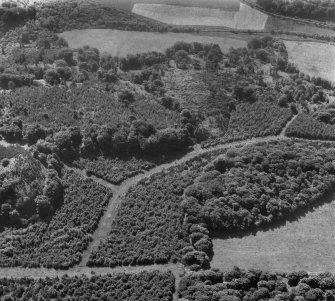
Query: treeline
307,127
59,241
308,9
254,285
153,286
139,138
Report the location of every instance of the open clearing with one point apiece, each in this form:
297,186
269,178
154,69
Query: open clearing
315,59
304,244
243,18
121,43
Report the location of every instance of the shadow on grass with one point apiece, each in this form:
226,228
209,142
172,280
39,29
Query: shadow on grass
293,217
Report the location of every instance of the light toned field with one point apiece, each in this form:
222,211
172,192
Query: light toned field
128,4
305,244
313,58
243,18
121,43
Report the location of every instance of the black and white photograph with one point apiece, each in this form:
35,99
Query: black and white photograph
167,150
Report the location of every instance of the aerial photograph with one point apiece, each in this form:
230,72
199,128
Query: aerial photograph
165,150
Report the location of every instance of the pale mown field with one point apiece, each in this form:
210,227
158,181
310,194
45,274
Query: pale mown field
121,43
243,18
313,58
306,244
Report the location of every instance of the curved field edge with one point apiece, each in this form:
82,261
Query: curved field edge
121,43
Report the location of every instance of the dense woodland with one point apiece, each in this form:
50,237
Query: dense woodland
58,241
260,184
254,120
115,117
71,15
254,285
323,10
154,286
305,126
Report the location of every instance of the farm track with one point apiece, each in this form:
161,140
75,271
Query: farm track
106,221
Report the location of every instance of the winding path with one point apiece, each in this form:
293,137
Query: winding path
107,219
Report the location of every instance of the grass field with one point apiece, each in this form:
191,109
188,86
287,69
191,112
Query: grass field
243,18
304,244
315,59
128,4
121,43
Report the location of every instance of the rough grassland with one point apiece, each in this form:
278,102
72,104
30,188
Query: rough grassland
315,59
304,244
245,18
121,43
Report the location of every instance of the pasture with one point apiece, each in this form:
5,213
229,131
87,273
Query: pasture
304,244
313,58
243,18
128,4
121,43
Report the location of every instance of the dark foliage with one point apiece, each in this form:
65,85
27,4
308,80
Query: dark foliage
115,170
59,241
260,184
307,9
71,15
149,225
305,126
254,120
153,286
254,285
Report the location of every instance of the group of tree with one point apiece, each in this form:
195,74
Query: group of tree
260,184
180,52
114,170
149,226
58,241
307,127
12,15
64,16
256,285
27,195
153,286
257,119
323,10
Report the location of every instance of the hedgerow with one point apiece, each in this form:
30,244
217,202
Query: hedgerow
305,126
153,286
254,285
59,241
115,170
258,119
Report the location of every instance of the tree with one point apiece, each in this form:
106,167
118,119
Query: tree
44,208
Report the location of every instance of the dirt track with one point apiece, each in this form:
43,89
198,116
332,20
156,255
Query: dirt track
110,214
